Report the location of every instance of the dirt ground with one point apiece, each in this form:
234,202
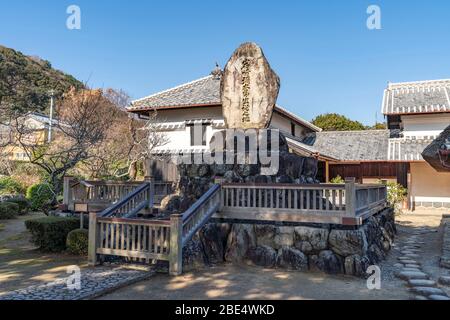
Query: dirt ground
21,264
246,282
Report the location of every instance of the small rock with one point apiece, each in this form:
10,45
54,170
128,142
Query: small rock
420,298
406,275
411,269
398,265
439,297
421,283
445,280
414,266
428,291
409,262
412,255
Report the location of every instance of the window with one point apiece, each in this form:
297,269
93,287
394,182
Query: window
198,134
293,129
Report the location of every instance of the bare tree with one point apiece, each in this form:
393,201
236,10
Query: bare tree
130,141
84,118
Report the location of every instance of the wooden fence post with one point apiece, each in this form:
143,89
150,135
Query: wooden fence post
176,245
67,192
350,197
151,193
93,239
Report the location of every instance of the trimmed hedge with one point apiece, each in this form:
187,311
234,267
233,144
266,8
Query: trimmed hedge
77,242
24,204
50,233
8,210
40,196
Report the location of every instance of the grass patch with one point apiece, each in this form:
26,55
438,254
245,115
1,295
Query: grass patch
2,227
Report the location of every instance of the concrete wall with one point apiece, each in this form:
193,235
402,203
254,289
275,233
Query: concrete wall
429,188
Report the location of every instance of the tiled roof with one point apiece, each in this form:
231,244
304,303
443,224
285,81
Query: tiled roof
204,91
417,97
407,149
370,145
201,92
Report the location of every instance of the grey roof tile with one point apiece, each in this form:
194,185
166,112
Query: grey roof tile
204,91
370,145
417,97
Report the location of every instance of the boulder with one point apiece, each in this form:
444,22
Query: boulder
214,238
310,166
241,238
263,256
284,237
249,89
348,242
327,261
375,254
437,153
265,235
356,265
292,259
193,257
310,240
170,203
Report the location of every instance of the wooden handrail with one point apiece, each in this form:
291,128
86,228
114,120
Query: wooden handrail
284,186
134,221
109,211
191,211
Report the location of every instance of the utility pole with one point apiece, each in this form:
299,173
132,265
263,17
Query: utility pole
52,93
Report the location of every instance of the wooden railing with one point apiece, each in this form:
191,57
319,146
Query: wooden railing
131,204
130,238
101,194
347,204
110,234
200,212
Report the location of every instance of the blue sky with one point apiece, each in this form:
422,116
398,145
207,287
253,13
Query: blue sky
327,59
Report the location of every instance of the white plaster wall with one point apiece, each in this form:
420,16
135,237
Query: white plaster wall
180,138
425,124
428,185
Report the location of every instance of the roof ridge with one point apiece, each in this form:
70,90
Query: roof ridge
300,119
393,85
171,89
356,131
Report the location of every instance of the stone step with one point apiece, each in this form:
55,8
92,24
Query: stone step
407,275
421,283
428,291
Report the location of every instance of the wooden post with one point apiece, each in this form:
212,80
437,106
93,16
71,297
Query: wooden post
350,197
67,192
327,172
93,239
176,245
151,194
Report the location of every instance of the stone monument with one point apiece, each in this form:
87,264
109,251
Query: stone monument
249,89
437,154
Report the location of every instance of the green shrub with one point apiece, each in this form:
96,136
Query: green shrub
8,210
77,242
396,194
50,233
24,204
338,180
40,196
9,185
